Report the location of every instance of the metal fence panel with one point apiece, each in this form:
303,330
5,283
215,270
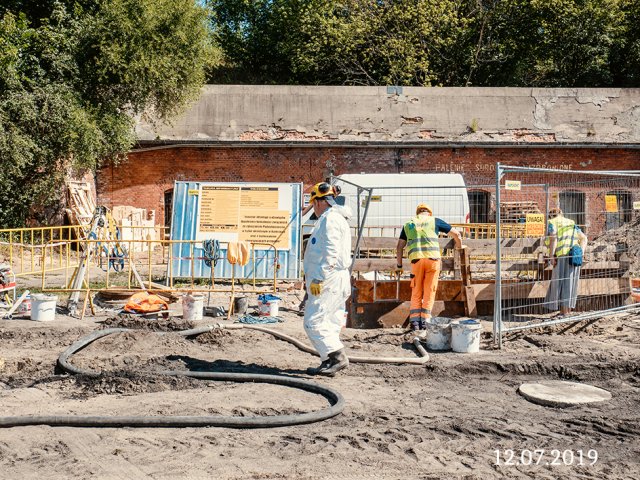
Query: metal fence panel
536,286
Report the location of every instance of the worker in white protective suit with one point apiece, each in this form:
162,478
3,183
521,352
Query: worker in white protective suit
326,267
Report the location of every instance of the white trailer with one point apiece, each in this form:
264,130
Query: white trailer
394,198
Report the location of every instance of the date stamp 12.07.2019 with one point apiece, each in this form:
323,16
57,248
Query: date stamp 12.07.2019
541,456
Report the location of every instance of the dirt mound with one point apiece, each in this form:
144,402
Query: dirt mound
619,244
128,383
125,320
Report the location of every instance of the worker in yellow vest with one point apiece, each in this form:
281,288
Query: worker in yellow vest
562,234
420,237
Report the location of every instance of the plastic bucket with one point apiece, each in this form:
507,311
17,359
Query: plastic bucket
268,305
438,334
192,307
635,289
43,307
465,336
240,305
270,308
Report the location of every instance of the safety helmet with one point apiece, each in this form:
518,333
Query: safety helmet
321,190
423,207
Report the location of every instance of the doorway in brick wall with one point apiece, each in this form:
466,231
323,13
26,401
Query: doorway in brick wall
572,203
168,207
480,206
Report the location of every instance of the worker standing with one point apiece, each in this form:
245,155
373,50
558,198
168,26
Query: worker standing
563,234
327,259
304,212
420,236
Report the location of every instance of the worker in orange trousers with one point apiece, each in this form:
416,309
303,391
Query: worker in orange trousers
420,237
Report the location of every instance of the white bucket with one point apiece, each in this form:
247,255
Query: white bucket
192,307
438,334
269,308
465,336
43,307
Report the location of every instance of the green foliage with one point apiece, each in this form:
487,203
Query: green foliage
71,84
543,43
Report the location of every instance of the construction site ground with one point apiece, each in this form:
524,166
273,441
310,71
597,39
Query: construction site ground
442,420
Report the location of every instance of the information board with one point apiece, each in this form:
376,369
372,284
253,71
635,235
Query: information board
255,213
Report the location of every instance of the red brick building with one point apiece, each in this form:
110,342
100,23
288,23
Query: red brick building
303,134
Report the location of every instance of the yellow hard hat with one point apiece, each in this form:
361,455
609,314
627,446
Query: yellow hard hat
321,190
422,207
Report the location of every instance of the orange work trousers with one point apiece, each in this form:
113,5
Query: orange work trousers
423,288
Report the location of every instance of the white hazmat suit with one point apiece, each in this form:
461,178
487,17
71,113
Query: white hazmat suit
327,259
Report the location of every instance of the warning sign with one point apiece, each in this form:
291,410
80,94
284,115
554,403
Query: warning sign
512,185
636,205
535,225
245,213
611,203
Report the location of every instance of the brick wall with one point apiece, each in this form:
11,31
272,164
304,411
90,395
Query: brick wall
142,180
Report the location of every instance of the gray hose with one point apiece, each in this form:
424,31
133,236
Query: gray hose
335,399
306,348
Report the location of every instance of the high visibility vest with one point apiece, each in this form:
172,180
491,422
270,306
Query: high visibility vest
565,232
422,239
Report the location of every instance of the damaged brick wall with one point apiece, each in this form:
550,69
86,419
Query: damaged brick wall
144,178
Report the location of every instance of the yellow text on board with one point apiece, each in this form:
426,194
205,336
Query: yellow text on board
512,185
535,225
611,203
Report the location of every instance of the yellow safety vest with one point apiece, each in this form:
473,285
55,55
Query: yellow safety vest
422,239
565,232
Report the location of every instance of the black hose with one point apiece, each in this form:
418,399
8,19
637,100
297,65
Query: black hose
335,399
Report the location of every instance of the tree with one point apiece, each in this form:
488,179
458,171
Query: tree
72,82
540,43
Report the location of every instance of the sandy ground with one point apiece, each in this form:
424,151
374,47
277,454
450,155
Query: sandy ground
443,420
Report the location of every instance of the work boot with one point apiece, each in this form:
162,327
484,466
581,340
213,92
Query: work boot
415,325
316,370
338,361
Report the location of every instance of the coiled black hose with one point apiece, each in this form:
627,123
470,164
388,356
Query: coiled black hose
335,399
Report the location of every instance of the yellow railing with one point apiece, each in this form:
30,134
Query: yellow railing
156,261
22,249
469,230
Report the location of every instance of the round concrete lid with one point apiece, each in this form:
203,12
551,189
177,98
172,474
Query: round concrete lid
557,393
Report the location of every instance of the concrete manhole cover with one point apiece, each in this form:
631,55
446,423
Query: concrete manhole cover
556,393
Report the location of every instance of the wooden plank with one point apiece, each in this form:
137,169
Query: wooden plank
390,243
448,290
477,247
457,275
388,265
395,317
449,299
465,266
470,307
